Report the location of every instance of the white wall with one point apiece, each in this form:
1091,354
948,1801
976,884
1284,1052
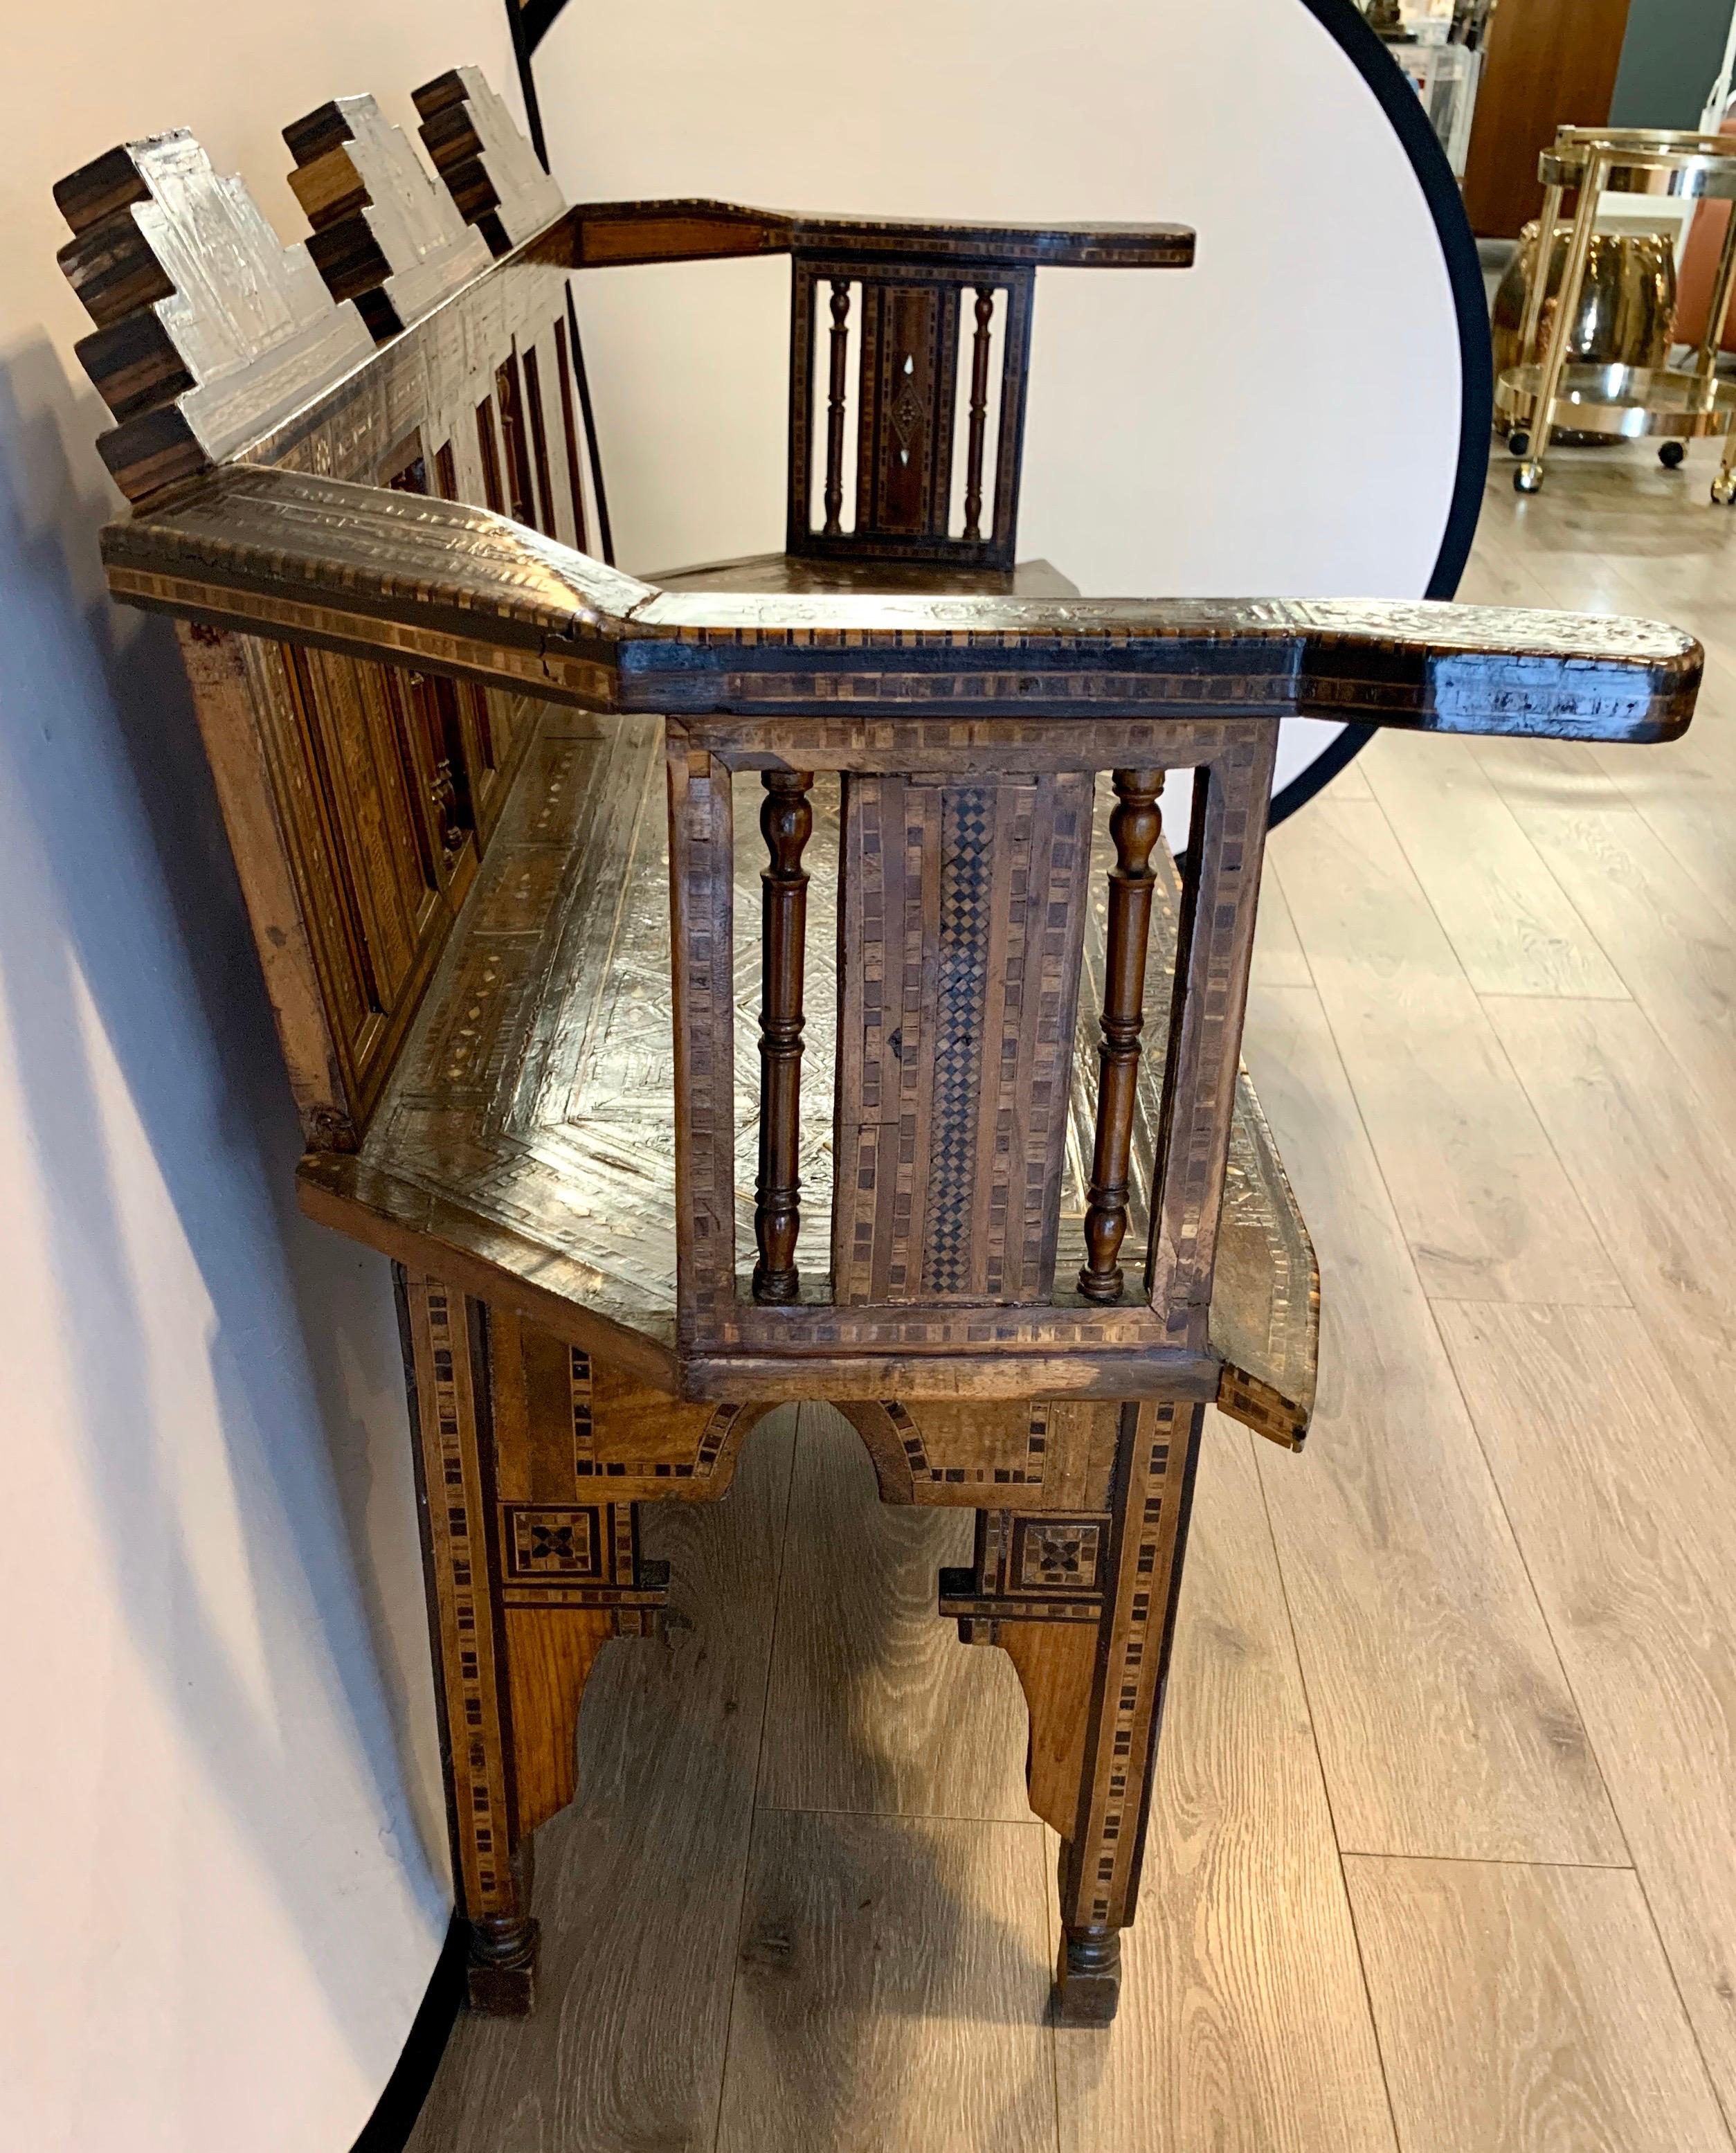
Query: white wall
221,1883
222,1839
1281,420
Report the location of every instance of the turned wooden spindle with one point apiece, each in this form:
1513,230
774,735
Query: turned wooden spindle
979,413
1136,826
786,822
835,407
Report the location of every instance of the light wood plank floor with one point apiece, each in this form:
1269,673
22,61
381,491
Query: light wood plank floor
1444,1854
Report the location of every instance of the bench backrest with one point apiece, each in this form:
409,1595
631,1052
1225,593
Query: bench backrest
926,363
360,796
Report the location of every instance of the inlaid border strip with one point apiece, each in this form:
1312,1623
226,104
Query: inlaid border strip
1159,1448
457,1521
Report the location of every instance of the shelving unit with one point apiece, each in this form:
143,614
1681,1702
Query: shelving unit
1678,404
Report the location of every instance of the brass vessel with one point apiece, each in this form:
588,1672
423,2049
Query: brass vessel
1625,309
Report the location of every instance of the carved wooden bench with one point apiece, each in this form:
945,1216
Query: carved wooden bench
483,789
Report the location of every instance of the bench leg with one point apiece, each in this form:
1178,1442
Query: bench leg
1155,1461
1085,1607
501,1966
521,1599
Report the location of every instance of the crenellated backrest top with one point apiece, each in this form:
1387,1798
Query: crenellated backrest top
386,232
212,336
209,330
490,169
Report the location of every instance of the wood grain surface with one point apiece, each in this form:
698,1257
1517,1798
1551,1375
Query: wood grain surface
1245,2026
1656,1170
1444,1722
875,1704
1525,2006
696,229
1514,929
892,1982
1627,1511
1278,959
1675,952
1551,64
1486,1209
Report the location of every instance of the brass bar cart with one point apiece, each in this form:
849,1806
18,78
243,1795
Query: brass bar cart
1680,403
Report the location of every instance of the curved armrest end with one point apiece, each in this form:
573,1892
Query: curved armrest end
1496,669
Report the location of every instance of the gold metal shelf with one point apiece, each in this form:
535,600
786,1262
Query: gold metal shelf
1630,400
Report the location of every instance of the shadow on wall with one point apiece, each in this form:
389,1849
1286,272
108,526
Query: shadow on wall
127,972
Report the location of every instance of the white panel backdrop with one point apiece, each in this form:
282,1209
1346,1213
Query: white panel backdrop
222,1841
1282,419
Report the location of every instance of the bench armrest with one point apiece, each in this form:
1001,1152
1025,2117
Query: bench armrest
595,235
412,580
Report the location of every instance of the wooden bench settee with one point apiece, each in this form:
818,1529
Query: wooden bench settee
661,1128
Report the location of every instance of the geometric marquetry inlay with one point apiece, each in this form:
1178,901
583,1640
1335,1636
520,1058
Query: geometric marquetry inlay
956,1044
542,1047
1056,1552
567,1044
1104,1850
552,1543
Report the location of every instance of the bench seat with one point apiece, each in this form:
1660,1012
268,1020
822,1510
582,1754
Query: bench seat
528,1125
791,575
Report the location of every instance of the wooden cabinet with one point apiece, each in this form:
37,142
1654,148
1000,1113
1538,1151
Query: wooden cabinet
1549,62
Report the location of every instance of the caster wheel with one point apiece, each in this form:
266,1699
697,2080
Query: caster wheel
1671,454
1723,489
1528,479
1519,442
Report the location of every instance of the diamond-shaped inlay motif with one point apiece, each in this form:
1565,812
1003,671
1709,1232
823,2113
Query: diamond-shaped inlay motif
1060,1555
553,1543
909,410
